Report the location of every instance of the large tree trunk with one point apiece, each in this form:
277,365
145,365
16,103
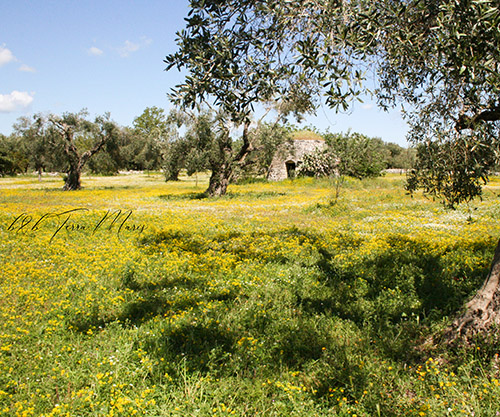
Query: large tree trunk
72,181
219,180
483,311
172,175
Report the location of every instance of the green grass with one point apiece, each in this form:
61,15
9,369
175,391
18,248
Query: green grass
154,300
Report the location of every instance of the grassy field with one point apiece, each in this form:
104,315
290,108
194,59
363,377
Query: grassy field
138,297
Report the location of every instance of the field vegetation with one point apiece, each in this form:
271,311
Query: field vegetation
134,296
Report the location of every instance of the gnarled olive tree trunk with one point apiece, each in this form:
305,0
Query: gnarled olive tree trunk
72,179
172,175
483,310
219,180
222,165
76,164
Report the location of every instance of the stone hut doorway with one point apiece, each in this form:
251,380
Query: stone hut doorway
290,169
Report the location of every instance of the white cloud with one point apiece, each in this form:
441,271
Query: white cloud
367,106
130,47
26,68
15,101
95,51
6,56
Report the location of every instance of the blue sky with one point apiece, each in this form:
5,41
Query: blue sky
107,56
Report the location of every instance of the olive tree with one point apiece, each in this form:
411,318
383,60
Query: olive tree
152,134
204,144
442,59
71,126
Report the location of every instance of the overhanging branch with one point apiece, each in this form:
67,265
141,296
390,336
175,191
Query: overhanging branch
471,122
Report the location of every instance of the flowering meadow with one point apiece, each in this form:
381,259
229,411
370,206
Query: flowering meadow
136,297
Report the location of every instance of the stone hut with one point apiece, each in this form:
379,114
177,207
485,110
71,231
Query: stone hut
290,154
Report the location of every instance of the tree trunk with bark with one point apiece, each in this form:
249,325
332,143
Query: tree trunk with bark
172,175
222,169
219,180
483,310
72,181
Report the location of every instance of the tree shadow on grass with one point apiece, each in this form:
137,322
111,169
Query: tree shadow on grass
150,300
397,295
203,346
134,313
114,187
252,195
406,277
393,297
184,196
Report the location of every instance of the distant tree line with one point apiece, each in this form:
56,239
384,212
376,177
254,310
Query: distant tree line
177,141
72,143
